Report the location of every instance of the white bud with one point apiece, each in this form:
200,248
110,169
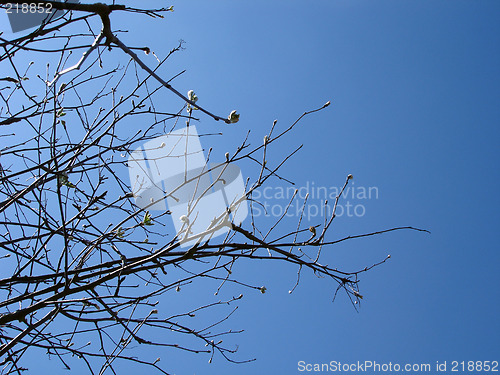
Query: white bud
192,96
233,117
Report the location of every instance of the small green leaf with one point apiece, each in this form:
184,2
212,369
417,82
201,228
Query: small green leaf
120,233
62,180
233,117
148,220
194,98
61,88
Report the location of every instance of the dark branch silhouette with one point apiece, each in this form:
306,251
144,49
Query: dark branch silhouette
81,258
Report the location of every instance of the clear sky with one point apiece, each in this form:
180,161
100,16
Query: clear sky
415,112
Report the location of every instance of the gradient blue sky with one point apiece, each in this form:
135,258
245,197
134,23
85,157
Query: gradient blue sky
415,112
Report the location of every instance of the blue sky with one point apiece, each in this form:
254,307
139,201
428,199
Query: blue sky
414,87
